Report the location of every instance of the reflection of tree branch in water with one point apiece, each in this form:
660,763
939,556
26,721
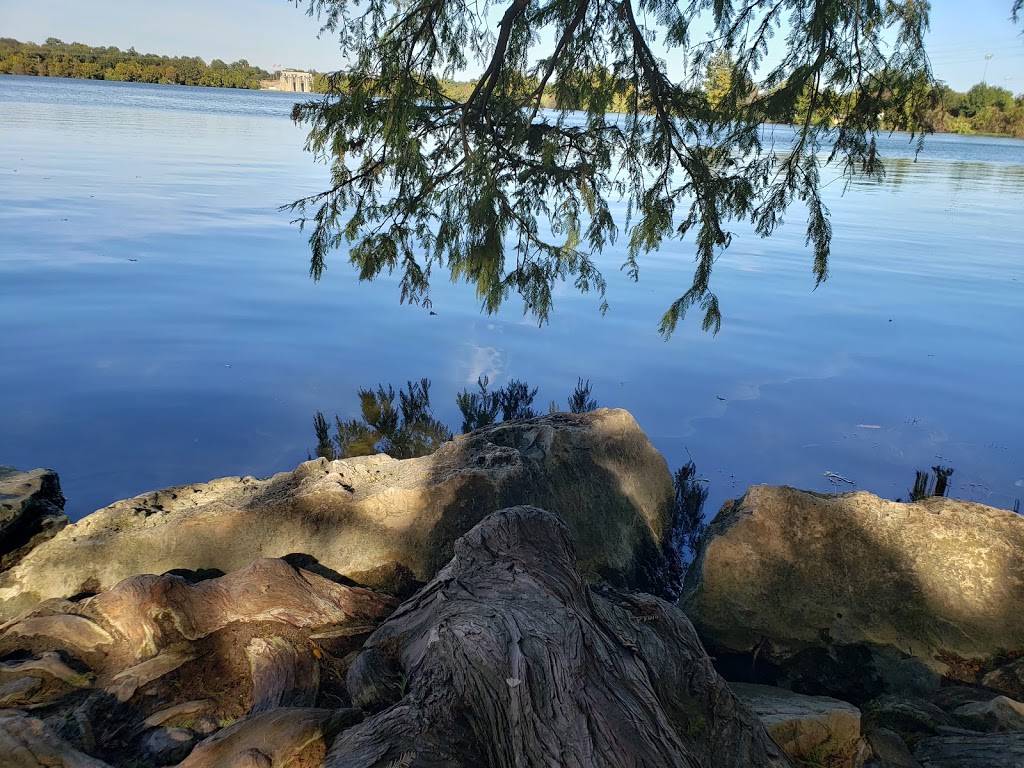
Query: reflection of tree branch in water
925,485
410,428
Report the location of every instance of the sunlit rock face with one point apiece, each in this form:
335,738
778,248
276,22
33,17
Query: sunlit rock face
31,511
853,594
808,728
360,517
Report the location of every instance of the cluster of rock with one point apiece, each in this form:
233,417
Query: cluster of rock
501,603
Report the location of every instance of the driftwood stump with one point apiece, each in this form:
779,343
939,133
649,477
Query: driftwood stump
507,658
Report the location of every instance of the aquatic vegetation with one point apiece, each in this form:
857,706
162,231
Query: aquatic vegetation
403,432
410,429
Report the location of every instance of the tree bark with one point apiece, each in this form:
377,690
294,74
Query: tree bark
507,658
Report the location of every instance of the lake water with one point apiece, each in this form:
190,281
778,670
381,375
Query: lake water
157,325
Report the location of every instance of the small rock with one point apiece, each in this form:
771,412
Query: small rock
997,750
889,750
806,727
995,715
905,715
949,697
1008,679
165,746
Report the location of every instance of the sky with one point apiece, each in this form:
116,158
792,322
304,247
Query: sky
275,34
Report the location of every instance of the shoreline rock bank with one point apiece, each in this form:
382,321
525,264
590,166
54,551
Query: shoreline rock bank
371,612
362,517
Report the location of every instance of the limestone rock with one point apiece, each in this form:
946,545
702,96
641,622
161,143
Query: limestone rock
506,658
998,714
906,716
793,574
597,471
1000,750
889,750
806,727
31,511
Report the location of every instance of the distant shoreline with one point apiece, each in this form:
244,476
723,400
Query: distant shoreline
975,134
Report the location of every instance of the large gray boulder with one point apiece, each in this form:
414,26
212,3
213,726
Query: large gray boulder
598,472
854,590
31,511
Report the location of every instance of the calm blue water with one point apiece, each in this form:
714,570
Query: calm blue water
157,324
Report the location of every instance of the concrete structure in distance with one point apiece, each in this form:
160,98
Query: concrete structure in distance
290,80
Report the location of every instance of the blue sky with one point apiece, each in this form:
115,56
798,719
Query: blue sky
272,33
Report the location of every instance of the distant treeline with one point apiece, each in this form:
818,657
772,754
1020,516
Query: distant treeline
982,109
55,58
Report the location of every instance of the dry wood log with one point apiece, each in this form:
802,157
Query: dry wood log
507,658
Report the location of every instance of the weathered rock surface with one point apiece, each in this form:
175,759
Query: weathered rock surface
907,716
1001,750
31,511
507,658
998,714
597,471
834,583
889,750
806,727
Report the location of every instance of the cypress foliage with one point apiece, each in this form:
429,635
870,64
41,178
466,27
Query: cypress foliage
513,185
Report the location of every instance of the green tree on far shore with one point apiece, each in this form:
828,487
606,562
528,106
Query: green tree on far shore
55,58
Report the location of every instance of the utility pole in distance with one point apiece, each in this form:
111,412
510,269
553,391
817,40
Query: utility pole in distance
984,76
